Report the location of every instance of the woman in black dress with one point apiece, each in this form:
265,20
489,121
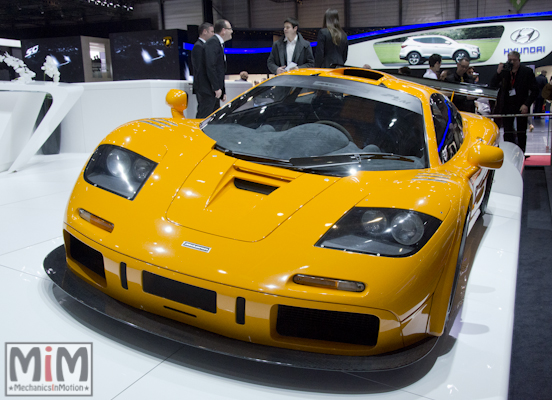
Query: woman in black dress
332,44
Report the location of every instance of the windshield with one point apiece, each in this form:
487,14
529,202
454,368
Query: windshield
322,125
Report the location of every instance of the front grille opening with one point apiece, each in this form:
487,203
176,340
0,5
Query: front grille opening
87,257
332,326
182,293
253,186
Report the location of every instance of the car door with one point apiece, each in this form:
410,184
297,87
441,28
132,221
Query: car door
443,46
426,46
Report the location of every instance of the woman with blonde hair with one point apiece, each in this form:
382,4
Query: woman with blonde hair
332,44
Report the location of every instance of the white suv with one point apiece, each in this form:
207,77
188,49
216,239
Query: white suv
417,49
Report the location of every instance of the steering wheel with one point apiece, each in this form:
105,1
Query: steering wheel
337,126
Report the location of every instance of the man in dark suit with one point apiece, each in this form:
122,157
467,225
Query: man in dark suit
517,91
202,88
290,48
460,74
216,62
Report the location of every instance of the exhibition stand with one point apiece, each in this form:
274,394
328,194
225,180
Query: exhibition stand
87,112
19,123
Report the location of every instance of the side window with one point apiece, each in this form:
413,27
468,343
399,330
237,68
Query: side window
448,126
438,40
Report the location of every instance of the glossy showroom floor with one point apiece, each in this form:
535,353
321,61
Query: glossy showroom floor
472,363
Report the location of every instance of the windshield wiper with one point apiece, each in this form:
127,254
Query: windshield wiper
252,157
344,159
302,163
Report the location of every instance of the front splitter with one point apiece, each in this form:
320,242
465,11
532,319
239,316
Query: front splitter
56,268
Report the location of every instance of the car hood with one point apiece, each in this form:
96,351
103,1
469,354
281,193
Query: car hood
241,200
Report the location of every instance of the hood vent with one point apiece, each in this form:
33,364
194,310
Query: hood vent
253,186
153,123
363,73
433,177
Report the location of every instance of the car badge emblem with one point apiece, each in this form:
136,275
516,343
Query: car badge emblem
31,51
525,35
195,246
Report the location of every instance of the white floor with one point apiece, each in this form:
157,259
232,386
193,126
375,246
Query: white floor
130,364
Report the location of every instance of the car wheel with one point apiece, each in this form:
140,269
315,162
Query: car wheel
449,321
460,54
414,58
487,193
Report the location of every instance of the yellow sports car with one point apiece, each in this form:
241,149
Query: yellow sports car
322,211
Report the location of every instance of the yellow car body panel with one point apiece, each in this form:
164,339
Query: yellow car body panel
258,242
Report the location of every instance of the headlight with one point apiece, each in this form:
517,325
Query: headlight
118,163
381,231
118,170
407,228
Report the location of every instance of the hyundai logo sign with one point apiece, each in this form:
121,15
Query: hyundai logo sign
525,35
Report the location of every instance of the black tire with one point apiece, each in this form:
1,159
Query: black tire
414,58
487,193
460,54
449,321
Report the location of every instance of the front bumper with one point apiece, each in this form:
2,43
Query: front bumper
56,267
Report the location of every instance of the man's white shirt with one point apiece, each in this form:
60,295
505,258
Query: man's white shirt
290,48
430,74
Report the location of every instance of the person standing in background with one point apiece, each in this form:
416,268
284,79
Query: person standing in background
434,67
460,74
539,102
291,51
332,46
404,71
472,74
216,62
517,91
201,86
244,76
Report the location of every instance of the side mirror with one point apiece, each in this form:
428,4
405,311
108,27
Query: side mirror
178,101
485,156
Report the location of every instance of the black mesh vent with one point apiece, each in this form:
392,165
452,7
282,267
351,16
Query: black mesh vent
332,326
362,73
86,256
253,186
183,293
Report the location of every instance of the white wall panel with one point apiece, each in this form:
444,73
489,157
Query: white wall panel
365,13
266,14
234,11
148,10
311,13
181,13
485,8
424,11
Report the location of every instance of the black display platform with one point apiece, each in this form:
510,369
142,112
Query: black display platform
56,268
